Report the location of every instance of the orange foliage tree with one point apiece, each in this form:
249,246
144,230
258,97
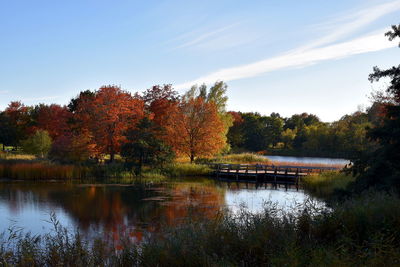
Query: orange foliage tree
160,101
107,116
195,128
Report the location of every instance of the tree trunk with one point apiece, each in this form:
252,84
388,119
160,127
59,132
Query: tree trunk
191,158
112,156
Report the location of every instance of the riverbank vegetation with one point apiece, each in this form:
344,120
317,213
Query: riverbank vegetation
362,231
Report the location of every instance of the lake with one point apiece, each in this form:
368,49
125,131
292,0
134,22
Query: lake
309,160
100,208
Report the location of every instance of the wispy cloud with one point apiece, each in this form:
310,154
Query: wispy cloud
353,22
315,51
369,43
205,36
3,92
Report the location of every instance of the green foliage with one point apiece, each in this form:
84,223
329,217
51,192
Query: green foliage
185,169
38,144
325,184
380,167
143,146
301,134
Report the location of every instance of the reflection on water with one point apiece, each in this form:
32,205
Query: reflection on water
112,208
310,160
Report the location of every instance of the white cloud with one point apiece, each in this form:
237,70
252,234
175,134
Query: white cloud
3,92
312,52
354,21
369,43
204,37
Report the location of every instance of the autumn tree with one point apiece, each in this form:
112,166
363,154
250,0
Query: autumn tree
195,129
216,94
160,101
107,115
53,118
18,117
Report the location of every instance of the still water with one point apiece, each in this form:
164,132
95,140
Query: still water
310,160
96,208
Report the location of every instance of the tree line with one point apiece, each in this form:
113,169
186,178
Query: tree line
303,134
144,128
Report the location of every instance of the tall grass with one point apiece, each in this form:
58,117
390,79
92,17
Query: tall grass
41,171
364,231
242,158
185,169
325,184
13,156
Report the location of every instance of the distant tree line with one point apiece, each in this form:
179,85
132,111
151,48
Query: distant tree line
302,134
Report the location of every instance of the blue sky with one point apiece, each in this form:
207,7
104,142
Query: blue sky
276,56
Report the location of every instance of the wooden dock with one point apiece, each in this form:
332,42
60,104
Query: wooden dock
265,174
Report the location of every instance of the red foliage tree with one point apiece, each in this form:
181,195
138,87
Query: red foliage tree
107,116
19,117
54,119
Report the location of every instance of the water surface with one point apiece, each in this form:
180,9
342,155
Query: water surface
98,208
310,160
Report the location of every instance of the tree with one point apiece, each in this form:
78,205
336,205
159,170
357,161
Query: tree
54,119
274,129
19,118
107,115
216,95
143,146
160,101
235,134
38,144
7,133
195,129
287,137
381,167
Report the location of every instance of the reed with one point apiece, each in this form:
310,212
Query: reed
185,169
323,185
242,158
362,231
41,171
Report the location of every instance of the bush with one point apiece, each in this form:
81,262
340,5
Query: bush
38,144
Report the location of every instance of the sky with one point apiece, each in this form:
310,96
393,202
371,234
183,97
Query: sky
276,56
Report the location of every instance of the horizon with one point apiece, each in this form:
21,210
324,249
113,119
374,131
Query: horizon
52,51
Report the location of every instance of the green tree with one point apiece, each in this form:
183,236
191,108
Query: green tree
381,167
38,144
144,146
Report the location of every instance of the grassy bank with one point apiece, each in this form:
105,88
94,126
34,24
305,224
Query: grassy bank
363,231
242,158
323,185
45,170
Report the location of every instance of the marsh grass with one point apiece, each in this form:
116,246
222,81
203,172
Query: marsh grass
185,169
242,158
41,171
323,185
363,231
